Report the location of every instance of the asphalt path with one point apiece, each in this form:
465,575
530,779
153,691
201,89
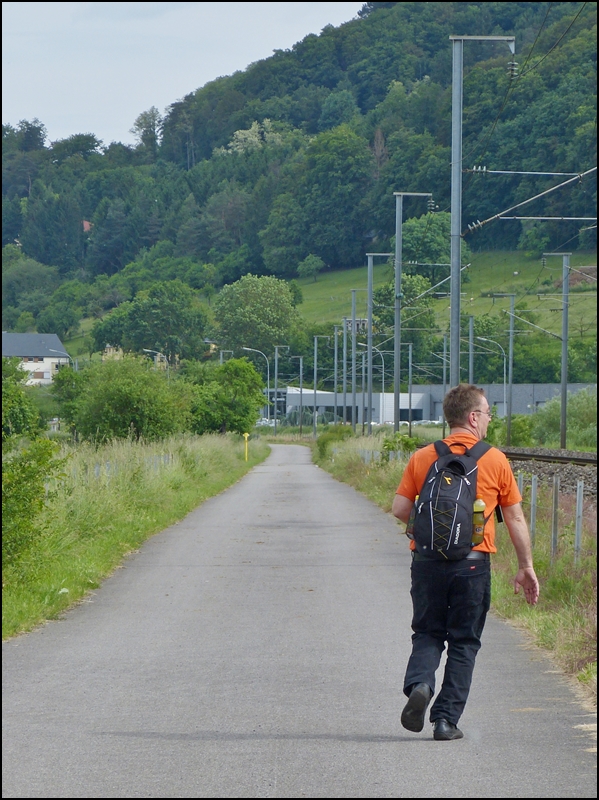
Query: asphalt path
257,649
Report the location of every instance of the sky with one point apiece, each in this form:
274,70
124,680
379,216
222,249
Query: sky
94,67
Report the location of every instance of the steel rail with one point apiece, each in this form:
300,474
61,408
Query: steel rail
519,455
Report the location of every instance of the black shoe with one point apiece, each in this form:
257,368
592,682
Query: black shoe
444,731
412,717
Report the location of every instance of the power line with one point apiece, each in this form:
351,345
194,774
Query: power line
478,224
534,44
548,53
511,85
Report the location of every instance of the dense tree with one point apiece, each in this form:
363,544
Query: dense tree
30,135
223,218
310,267
80,144
53,229
254,312
147,129
226,397
165,318
300,154
111,245
426,246
19,415
284,238
128,398
12,220
66,388
27,285
61,318
338,108
337,170
581,420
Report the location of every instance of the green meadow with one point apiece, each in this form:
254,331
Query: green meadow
329,298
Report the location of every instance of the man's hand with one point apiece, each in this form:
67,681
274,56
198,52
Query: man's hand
527,579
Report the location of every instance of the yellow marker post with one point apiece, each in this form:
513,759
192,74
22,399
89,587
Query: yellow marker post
246,436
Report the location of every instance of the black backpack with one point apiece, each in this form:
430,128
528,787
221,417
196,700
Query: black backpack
443,511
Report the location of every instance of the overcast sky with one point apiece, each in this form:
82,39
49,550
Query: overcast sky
94,67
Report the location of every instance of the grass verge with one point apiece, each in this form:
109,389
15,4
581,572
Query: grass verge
111,499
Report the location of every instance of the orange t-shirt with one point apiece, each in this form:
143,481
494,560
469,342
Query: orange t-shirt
495,481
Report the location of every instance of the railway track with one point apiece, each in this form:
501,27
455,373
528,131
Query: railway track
571,468
581,459
569,465
547,456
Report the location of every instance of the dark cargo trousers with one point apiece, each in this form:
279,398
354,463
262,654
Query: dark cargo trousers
450,603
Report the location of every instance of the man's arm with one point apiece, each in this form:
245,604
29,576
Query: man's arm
402,507
526,578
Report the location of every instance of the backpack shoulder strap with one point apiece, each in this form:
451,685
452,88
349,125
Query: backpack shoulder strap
442,448
479,449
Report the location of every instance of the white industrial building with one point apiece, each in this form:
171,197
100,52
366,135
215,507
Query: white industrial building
425,402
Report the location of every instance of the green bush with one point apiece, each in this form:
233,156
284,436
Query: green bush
335,434
496,433
521,434
398,443
521,430
19,414
25,471
125,398
581,420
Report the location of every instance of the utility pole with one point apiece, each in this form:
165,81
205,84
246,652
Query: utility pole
344,370
564,370
335,328
444,376
369,339
471,350
314,421
564,375
363,391
456,191
399,196
253,350
353,359
314,410
410,388
277,348
301,388
510,374
508,430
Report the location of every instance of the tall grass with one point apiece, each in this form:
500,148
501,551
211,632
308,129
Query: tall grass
565,620
111,499
345,461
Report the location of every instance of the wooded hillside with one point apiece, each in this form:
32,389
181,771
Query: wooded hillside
292,163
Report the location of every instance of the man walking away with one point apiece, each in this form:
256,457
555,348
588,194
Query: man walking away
451,598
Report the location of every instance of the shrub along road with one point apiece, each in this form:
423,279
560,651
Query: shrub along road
256,649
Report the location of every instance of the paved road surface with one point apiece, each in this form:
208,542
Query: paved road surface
256,649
